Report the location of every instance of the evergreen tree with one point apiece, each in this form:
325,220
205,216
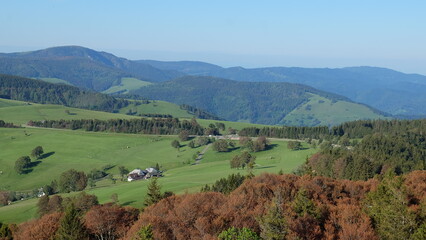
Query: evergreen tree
420,233
388,208
238,234
5,232
71,227
145,233
303,205
154,193
273,225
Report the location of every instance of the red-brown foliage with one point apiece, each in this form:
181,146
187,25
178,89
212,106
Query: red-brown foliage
416,186
40,229
325,209
205,215
109,221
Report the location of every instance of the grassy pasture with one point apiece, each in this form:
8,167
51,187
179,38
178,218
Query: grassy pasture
87,150
126,85
21,112
322,111
158,107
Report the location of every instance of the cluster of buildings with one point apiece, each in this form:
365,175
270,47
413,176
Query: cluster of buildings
138,174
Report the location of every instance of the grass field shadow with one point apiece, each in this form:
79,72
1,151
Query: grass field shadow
34,164
264,167
46,155
271,146
127,203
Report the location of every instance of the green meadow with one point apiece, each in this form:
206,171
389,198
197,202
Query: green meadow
157,107
126,85
21,112
322,111
84,151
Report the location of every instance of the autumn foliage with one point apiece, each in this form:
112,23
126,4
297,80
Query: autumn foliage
307,207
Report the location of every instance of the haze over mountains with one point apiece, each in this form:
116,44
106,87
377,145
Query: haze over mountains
268,95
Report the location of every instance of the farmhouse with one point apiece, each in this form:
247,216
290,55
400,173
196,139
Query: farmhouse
138,174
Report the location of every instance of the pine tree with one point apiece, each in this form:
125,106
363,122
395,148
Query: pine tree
388,208
238,234
303,205
71,227
145,233
154,193
273,225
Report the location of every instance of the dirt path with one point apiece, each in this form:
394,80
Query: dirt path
201,154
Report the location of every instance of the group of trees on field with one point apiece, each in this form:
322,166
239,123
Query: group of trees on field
245,159
260,144
222,145
4,124
22,164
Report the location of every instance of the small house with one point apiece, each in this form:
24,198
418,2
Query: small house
136,175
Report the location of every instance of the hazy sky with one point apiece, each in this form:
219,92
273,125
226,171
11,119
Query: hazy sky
316,33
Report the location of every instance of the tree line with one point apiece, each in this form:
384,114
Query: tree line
353,129
199,113
161,126
375,154
4,124
286,132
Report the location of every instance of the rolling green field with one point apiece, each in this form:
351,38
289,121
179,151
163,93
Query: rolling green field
322,111
86,150
21,112
126,85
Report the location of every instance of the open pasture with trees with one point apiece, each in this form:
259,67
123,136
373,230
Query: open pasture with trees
85,151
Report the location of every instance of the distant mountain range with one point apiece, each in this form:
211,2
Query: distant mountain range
384,89
81,67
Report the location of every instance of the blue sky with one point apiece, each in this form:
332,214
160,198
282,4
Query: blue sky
315,33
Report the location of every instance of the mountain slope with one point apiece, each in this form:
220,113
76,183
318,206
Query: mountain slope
381,88
255,102
25,89
80,66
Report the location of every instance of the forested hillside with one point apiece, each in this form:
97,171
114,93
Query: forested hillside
255,102
80,66
30,90
359,150
385,89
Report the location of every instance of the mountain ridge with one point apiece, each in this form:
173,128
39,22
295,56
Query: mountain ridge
255,102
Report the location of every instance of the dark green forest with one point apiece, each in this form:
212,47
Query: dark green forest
161,126
255,102
24,89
